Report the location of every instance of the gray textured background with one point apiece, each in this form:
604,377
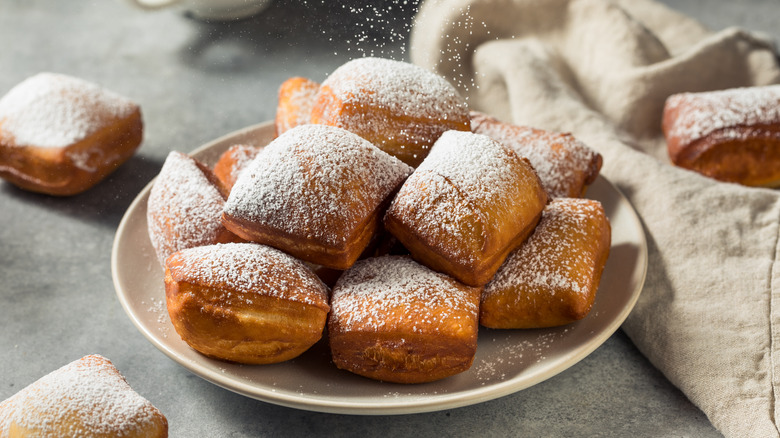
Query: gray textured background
196,81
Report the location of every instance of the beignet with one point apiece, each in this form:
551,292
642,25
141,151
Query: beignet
553,277
61,135
317,192
185,207
466,206
245,302
729,135
296,96
85,398
565,165
232,162
399,107
395,320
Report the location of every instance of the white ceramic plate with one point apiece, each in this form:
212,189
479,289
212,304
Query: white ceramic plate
506,361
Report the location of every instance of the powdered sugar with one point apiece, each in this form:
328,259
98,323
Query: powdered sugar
315,181
296,96
243,270
87,396
554,258
475,164
53,110
446,214
393,104
701,114
236,159
399,87
184,207
389,292
562,163
448,193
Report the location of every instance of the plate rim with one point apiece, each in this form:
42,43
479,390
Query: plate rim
431,403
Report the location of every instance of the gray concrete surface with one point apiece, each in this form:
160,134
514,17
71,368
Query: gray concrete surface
197,81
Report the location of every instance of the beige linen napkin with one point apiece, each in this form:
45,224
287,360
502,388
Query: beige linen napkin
709,315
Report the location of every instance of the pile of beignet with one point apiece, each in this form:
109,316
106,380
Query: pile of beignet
386,213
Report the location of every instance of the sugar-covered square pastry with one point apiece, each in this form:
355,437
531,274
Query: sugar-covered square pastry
400,107
85,398
551,279
469,203
730,135
293,108
184,209
565,165
395,320
232,162
245,302
317,192
61,135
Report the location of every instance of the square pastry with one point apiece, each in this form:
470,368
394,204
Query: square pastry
184,209
468,204
61,135
395,320
553,277
316,192
244,302
88,397
565,165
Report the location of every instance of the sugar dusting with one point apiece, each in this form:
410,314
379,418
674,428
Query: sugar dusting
91,391
463,171
389,101
405,88
51,110
701,114
184,207
302,182
242,155
509,354
384,292
532,264
243,270
159,308
562,162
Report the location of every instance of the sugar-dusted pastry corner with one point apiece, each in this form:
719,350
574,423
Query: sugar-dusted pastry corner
86,398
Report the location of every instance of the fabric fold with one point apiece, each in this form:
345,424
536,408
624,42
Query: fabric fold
708,316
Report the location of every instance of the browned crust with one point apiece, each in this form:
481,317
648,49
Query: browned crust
295,99
751,157
405,137
340,256
269,330
522,306
52,171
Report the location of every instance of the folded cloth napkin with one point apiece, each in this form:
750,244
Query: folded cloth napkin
709,314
